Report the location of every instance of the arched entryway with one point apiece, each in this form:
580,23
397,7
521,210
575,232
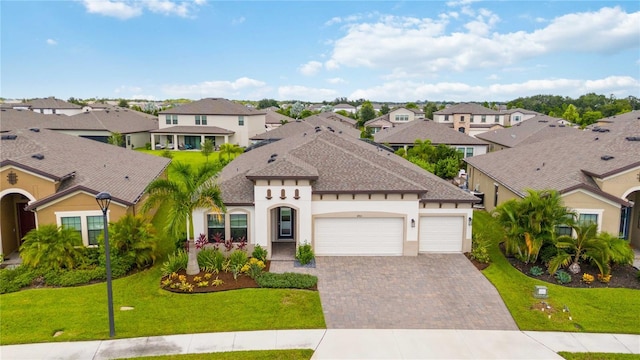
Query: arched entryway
283,232
630,217
16,221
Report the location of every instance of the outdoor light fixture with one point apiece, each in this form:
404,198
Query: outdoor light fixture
413,223
469,221
104,199
540,292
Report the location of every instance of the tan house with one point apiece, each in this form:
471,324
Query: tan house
47,177
344,196
49,105
538,128
220,120
395,117
597,172
470,118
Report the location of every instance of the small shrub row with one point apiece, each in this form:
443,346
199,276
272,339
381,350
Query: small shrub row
75,277
287,280
12,280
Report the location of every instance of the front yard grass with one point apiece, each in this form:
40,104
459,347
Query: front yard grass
597,356
296,354
32,316
612,310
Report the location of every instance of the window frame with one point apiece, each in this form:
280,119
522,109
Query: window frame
220,225
83,215
240,120
234,229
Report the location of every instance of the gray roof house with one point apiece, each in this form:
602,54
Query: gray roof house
49,105
341,195
538,128
470,118
596,171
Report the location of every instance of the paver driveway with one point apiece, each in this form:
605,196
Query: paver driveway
430,291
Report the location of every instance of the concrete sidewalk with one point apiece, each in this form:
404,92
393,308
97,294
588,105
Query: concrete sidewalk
344,344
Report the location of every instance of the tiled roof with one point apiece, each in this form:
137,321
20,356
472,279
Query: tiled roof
212,106
343,164
85,164
405,134
184,129
23,119
524,111
380,121
307,125
467,108
337,117
274,117
566,163
538,128
51,103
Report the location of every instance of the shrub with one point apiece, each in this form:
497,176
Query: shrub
120,265
238,257
255,267
201,241
563,277
211,260
15,279
479,253
259,253
547,252
175,262
89,258
147,146
287,280
304,254
133,237
74,277
587,278
638,275
536,271
604,278
51,247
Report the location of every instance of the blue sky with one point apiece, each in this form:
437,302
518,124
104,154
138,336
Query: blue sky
319,50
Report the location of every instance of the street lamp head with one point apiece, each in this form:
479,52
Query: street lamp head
103,199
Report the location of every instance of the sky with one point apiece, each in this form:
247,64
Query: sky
393,51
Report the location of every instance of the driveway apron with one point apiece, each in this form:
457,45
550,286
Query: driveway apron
428,291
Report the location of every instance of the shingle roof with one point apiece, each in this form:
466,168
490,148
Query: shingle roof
343,164
406,134
524,111
306,125
538,128
51,103
566,163
274,117
467,108
185,129
85,164
380,121
337,117
212,106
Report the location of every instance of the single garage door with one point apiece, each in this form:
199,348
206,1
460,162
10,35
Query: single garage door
441,234
358,236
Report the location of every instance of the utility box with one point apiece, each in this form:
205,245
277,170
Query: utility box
540,292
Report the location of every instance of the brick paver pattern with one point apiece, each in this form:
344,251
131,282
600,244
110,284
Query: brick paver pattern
428,291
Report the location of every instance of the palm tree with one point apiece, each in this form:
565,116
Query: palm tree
230,150
195,189
585,245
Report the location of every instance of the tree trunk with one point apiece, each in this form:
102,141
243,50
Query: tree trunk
192,264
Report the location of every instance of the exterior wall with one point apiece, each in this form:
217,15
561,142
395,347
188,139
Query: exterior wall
634,227
79,202
620,184
461,121
401,111
253,125
68,112
138,140
587,203
496,147
85,132
480,182
36,185
477,149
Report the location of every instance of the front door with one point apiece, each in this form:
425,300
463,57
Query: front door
26,221
286,223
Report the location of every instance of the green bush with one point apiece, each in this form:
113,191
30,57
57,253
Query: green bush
259,252
536,271
134,238
175,262
287,280
147,146
51,247
12,280
304,254
479,252
547,252
120,264
238,258
74,277
89,258
211,260
563,277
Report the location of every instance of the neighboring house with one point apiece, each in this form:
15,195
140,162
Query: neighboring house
404,136
535,129
51,178
95,125
347,121
221,120
396,116
517,115
341,195
470,118
274,119
306,126
96,106
346,107
49,105
597,173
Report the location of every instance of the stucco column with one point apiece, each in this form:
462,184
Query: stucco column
175,141
226,139
153,141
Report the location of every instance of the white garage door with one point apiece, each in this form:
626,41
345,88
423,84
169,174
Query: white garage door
441,234
358,236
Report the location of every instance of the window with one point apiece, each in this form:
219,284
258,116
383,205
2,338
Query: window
471,118
238,225
469,152
585,219
168,119
95,224
72,222
174,119
240,120
401,117
201,119
197,119
446,118
204,119
495,195
516,118
563,230
462,118
497,118
465,151
215,225
483,118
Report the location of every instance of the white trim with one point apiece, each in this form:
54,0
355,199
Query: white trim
628,192
46,205
83,220
19,191
594,195
27,171
598,212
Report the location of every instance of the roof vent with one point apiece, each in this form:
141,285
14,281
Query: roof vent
9,137
270,160
603,130
551,125
318,130
273,155
38,156
606,157
628,138
34,129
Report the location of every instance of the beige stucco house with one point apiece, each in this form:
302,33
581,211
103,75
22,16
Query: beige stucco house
597,172
470,118
397,116
538,128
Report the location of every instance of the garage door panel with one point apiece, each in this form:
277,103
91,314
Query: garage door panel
358,236
441,233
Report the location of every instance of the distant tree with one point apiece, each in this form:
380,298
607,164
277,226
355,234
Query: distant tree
384,109
77,101
571,114
326,108
590,117
123,103
429,109
305,113
207,148
366,133
284,121
366,113
265,103
345,113
230,151
296,110
447,168
116,139
411,106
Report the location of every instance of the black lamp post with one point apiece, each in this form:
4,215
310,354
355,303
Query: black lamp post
104,199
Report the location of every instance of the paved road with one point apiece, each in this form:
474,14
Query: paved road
429,291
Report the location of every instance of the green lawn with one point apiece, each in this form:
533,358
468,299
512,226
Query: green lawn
193,157
245,355
598,356
592,310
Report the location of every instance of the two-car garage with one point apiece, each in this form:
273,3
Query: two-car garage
373,236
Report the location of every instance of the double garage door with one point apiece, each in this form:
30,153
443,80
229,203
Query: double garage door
358,236
441,234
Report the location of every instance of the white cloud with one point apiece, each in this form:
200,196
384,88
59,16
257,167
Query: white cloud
218,88
336,80
423,45
125,89
126,9
296,92
311,68
238,21
51,42
143,97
